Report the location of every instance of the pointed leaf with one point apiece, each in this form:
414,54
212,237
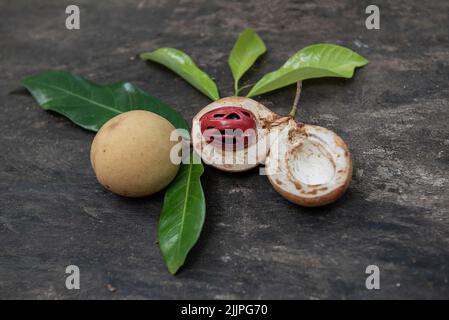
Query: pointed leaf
182,216
180,63
90,105
247,49
315,61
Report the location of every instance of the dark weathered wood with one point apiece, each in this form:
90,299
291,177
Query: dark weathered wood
394,115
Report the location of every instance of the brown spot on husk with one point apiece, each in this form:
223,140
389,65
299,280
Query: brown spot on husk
298,186
291,134
267,122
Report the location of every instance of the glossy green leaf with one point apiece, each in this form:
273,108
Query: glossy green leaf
90,105
247,49
180,63
315,61
182,216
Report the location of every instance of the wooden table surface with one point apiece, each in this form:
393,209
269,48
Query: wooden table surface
394,115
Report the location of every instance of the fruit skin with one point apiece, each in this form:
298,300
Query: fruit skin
130,154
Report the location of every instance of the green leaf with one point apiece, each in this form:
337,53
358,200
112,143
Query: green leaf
180,63
182,216
247,49
90,105
315,61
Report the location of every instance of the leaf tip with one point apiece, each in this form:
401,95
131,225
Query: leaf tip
25,81
364,61
173,269
143,55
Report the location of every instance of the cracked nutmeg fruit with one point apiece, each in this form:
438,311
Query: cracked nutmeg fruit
308,165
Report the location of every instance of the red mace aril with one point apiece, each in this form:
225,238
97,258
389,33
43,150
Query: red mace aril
229,127
261,120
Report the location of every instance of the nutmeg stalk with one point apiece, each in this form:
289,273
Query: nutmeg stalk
296,101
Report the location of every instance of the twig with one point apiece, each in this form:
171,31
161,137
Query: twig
296,101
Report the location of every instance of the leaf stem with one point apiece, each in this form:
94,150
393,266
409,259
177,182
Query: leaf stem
236,88
296,101
237,91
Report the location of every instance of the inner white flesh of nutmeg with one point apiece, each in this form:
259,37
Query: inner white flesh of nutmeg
311,163
308,162
236,160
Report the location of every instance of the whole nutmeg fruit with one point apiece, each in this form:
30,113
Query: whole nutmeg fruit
130,154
